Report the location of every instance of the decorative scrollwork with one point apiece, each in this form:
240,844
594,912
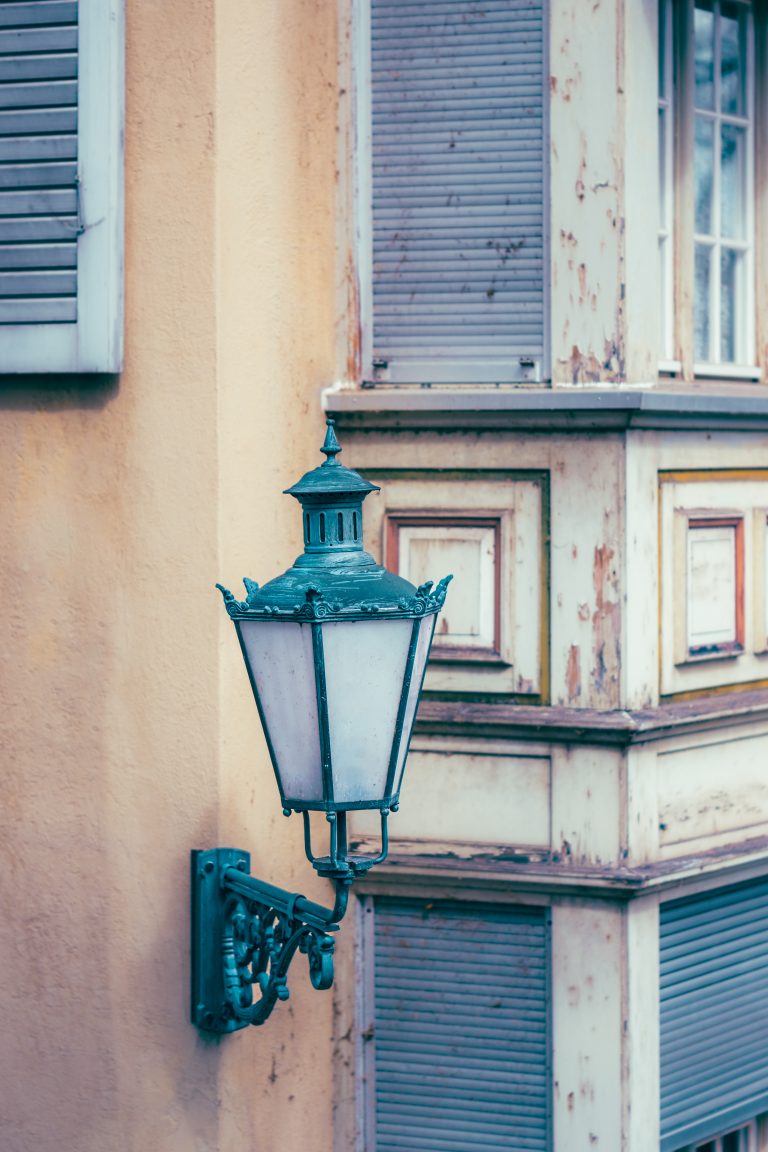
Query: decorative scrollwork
258,945
427,599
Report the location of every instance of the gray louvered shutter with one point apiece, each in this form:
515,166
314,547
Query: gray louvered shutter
457,130
714,1012
61,104
38,162
460,1028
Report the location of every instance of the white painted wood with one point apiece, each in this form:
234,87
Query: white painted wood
587,1025
468,620
640,653
587,804
95,342
517,504
640,1029
685,501
760,580
487,798
641,835
701,804
711,586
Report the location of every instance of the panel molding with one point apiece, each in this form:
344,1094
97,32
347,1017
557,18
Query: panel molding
519,499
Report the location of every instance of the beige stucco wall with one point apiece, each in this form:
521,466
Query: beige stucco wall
127,734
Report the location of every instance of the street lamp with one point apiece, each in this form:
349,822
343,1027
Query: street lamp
336,650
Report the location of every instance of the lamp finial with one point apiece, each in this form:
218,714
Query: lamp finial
331,447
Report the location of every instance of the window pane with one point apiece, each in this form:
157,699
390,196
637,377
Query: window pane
663,222
704,33
730,277
708,1147
662,48
704,165
732,182
731,60
732,1142
703,273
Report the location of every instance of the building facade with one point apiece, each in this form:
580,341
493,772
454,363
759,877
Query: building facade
517,249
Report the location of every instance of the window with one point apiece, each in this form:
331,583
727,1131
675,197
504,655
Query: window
451,190
706,85
714,1013
455,1028
60,186
737,1140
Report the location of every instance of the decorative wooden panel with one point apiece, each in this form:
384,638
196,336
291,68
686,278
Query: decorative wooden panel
470,548
712,550
490,528
714,588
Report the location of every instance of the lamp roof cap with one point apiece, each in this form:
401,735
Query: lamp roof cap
331,477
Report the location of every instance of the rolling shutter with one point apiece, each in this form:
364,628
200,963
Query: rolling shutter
460,1044
38,162
714,1012
61,227
457,128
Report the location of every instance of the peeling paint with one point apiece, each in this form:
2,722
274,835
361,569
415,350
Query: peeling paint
573,673
606,623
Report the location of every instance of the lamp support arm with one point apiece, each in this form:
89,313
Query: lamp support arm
245,933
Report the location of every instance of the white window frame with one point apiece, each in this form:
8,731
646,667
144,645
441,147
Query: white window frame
677,352
94,343
666,188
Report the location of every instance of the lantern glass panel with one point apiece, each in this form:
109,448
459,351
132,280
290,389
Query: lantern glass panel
365,664
426,628
283,668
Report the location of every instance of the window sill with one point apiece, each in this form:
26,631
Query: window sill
727,372
550,409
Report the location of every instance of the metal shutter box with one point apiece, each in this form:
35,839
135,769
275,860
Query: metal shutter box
714,1012
459,1055
457,128
38,162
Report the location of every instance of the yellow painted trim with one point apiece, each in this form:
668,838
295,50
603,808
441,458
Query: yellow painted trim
703,474
719,690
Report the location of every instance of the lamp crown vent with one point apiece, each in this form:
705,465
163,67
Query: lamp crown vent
331,497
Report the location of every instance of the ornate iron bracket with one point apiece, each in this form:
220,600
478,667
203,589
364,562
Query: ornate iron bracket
245,933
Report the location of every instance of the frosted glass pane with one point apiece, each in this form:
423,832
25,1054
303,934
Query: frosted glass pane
702,302
730,267
280,655
704,54
364,672
731,57
426,628
704,164
733,156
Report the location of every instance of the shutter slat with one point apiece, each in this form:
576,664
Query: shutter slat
38,12
38,40
38,162
40,203
461,1033
37,148
15,256
26,121
17,68
714,1012
37,283
37,175
38,229
457,107
50,94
